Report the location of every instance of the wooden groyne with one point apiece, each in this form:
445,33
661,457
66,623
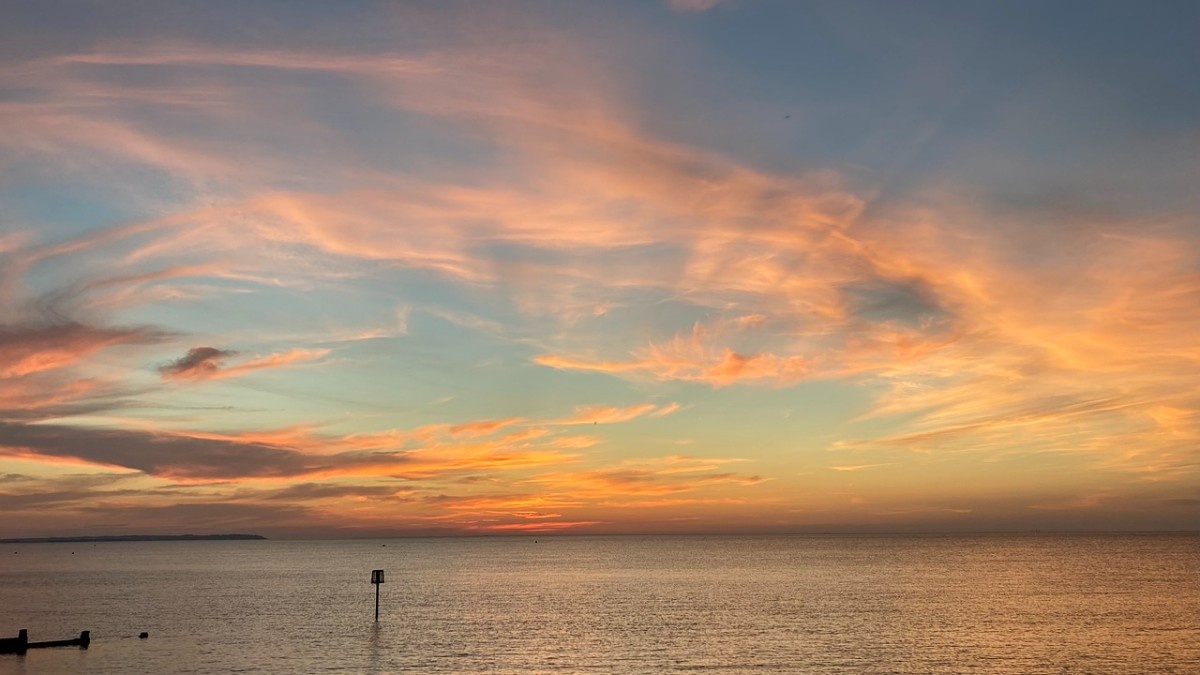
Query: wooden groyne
21,643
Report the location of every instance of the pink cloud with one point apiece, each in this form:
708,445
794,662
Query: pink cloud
694,5
26,350
208,363
607,414
482,427
1090,351
692,358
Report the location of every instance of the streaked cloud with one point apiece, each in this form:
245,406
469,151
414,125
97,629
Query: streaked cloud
481,427
858,467
27,350
615,415
204,363
694,5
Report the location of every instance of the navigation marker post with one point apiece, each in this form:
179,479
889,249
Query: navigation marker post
377,578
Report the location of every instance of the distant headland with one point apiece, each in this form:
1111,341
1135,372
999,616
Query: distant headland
131,537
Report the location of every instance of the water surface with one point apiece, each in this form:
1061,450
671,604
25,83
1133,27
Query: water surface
730,604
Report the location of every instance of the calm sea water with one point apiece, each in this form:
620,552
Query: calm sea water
802,604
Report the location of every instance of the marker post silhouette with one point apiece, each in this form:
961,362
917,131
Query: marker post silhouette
377,579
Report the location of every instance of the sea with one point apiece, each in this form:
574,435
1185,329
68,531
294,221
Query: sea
997,603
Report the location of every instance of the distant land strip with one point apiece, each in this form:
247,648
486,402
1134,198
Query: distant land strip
130,537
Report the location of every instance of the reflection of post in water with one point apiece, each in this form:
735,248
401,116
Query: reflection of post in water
373,651
377,578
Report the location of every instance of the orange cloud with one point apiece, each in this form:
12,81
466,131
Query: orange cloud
549,526
609,414
665,410
670,502
859,467
643,478
482,427
505,503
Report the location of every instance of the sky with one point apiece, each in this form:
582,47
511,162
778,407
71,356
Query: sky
355,269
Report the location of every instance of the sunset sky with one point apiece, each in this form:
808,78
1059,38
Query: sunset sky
313,269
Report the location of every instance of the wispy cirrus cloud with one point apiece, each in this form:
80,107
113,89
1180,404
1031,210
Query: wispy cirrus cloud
693,358
481,427
858,467
1033,370
539,526
890,298
615,415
